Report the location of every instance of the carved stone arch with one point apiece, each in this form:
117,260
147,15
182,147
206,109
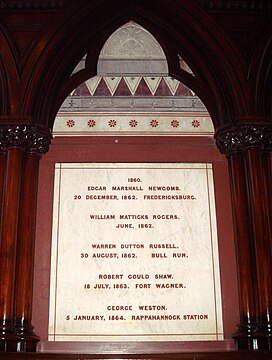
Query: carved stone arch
179,30
9,104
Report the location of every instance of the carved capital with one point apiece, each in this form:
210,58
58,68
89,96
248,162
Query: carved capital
28,138
241,137
38,141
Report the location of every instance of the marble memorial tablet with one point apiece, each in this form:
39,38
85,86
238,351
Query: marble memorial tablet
134,253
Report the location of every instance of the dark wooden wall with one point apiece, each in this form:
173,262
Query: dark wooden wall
227,44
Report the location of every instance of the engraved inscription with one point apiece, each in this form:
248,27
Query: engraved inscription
134,254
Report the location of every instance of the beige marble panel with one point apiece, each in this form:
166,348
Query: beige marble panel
134,253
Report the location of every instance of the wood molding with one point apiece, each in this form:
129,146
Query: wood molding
226,355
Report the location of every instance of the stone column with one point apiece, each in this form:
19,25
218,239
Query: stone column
232,145
17,234
8,243
259,176
244,146
37,144
3,161
268,171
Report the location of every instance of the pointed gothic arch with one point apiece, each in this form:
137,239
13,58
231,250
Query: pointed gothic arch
49,82
8,74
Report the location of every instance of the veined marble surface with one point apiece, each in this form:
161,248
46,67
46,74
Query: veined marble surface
134,253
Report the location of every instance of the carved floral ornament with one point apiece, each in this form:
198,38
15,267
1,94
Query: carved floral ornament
28,138
242,137
132,41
